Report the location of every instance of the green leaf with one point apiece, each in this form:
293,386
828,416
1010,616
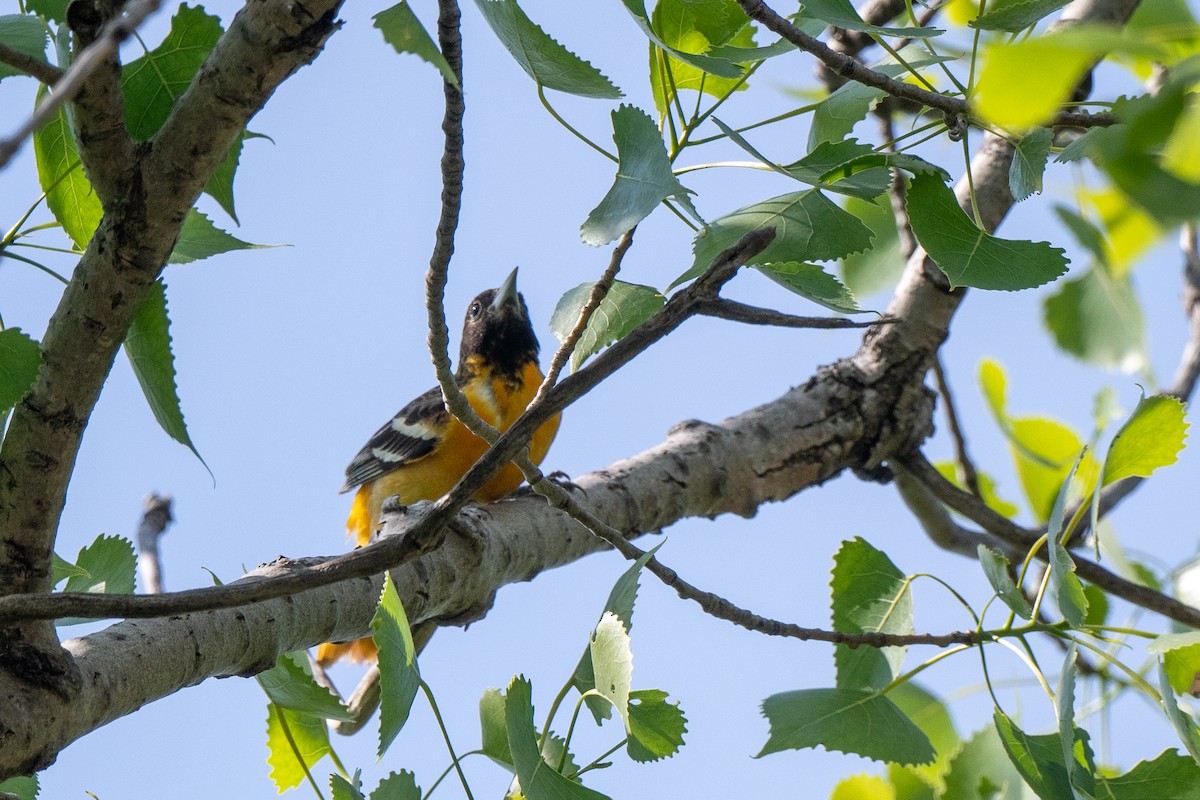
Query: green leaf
295,743
854,721
152,83
864,787
342,789
1029,163
620,602
24,787
813,283
63,569
1170,776
656,727
398,675
612,663
880,267
1078,149
1097,317
199,239
1180,659
952,471
1184,725
289,684
538,782
1152,437
626,306
69,193
1087,234
981,770
713,66
869,595
808,225
717,27
404,32
1072,602
494,728
23,33
220,183
827,166
1064,707
995,567
1015,17
400,785
148,346
644,179
55,10
835,117
20,359
1040,760
970,256
929,714
544,59
840,14
109,565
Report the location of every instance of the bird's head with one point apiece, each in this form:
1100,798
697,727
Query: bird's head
497,332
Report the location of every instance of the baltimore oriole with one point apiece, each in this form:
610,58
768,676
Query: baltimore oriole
424,450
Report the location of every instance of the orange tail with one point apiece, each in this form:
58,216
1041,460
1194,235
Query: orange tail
360,528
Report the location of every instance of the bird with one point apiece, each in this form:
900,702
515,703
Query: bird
423,451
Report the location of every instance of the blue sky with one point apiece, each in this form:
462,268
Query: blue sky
289,358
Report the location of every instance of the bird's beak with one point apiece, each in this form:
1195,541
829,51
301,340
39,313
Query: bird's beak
507,293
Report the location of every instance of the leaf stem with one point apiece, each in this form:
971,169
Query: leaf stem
437,713
541,92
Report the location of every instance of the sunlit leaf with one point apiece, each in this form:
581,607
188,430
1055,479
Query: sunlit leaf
1184,725
1152,437
612,663
847,720
295,743
863,787
869,595
626,306
644,179
698,27
69,193
1180,658
398,675
970,256
404,32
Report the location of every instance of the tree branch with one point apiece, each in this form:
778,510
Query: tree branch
734,311
33,66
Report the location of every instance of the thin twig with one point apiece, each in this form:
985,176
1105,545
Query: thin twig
156,516
33,66
970,476
114,32
847,67
734,311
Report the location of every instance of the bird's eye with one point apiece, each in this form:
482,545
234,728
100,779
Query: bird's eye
476,308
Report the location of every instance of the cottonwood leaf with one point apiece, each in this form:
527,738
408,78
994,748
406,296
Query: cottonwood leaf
23,33
970,256
880,267
20,359
626,306
808,227
69,193
1029,163
620,602
1152,437
869,595
812,282
24,787
840,14
542,58
656,727
1170,776
494,729
612,663
398,675
714,66
539,781
1084,231
827,166
55,10
855,721
995,567
1180,654
290,685
148,346
1040,760
200,238
153,82
836,115
295,743
1184,725
718,28
1097,317
644,179
400,785
1064,707
108,566
1014,17
1072,602
981,770
220,184
404,32
342,789
931,715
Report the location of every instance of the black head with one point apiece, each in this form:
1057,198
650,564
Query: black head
497,331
